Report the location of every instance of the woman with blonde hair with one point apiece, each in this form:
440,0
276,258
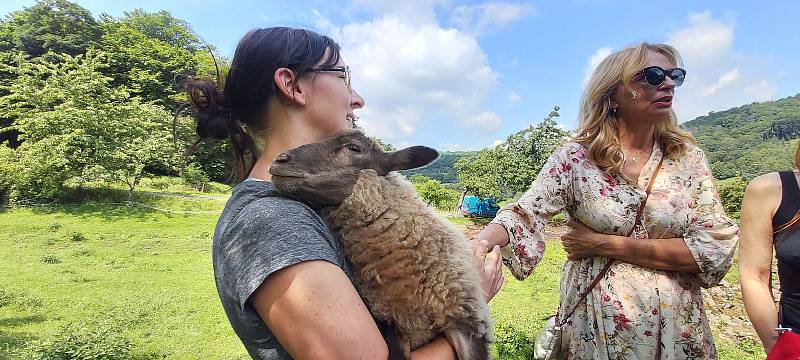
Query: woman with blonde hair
631,286
771,218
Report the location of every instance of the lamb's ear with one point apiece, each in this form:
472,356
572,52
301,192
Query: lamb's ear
408,158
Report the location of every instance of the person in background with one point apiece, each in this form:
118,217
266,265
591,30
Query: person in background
771,219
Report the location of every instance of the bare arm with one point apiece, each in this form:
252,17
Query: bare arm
315,312
495,234
660,254
761,200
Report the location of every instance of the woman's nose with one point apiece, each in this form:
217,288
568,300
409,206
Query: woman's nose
356,101
667,84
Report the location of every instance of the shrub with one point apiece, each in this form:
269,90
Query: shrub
512,343
194,176
85,341
434,193
8,172
731,192
50,259
77,236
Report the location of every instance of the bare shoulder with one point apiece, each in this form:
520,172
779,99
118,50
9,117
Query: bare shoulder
765,185
764,192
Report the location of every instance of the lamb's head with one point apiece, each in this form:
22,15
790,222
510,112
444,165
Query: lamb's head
325,172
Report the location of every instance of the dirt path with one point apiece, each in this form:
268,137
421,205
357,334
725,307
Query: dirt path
723,303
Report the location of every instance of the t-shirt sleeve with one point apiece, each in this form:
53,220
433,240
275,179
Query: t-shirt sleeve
264,240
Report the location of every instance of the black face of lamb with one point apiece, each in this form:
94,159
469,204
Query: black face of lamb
324,173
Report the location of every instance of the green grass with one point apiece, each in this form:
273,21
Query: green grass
140,280
146,273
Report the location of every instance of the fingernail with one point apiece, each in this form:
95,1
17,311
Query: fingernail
485,243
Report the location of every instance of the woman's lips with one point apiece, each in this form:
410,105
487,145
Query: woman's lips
663,102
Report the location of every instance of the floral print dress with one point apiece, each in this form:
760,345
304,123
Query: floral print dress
633,312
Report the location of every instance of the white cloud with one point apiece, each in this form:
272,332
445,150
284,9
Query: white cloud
593,61
714,81
514,97
409,72
726,79
412,11
761,91
705,40
486,122
482,17
450,147
497,142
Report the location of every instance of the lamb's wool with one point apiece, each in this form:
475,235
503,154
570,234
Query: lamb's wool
412,267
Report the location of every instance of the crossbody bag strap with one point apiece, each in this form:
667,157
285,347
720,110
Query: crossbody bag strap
611,260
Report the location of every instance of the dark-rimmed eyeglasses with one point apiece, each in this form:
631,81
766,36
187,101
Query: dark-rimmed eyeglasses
655,75
343,69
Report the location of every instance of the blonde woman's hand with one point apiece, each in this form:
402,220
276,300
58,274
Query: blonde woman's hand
582,242
489,267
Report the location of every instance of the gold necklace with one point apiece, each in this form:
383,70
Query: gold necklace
633,158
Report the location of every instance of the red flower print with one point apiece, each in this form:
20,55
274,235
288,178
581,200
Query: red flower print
611,273
520,251
648,333
685,335
553,171
606,297
610,180
617,305
655,311
565,167
621,322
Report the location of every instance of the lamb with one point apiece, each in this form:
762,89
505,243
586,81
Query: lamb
414,270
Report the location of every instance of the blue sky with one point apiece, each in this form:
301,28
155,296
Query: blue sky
464,75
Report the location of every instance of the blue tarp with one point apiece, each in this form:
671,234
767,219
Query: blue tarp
477,206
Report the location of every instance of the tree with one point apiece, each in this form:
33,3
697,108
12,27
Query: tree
434,193
512,166
148,67
51,25
76,127
164,27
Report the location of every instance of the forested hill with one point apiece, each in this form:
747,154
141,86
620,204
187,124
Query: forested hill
751,139
442,169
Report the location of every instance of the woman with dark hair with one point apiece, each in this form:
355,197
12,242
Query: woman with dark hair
771,218
281,274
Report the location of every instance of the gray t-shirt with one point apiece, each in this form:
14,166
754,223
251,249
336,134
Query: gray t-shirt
257,234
